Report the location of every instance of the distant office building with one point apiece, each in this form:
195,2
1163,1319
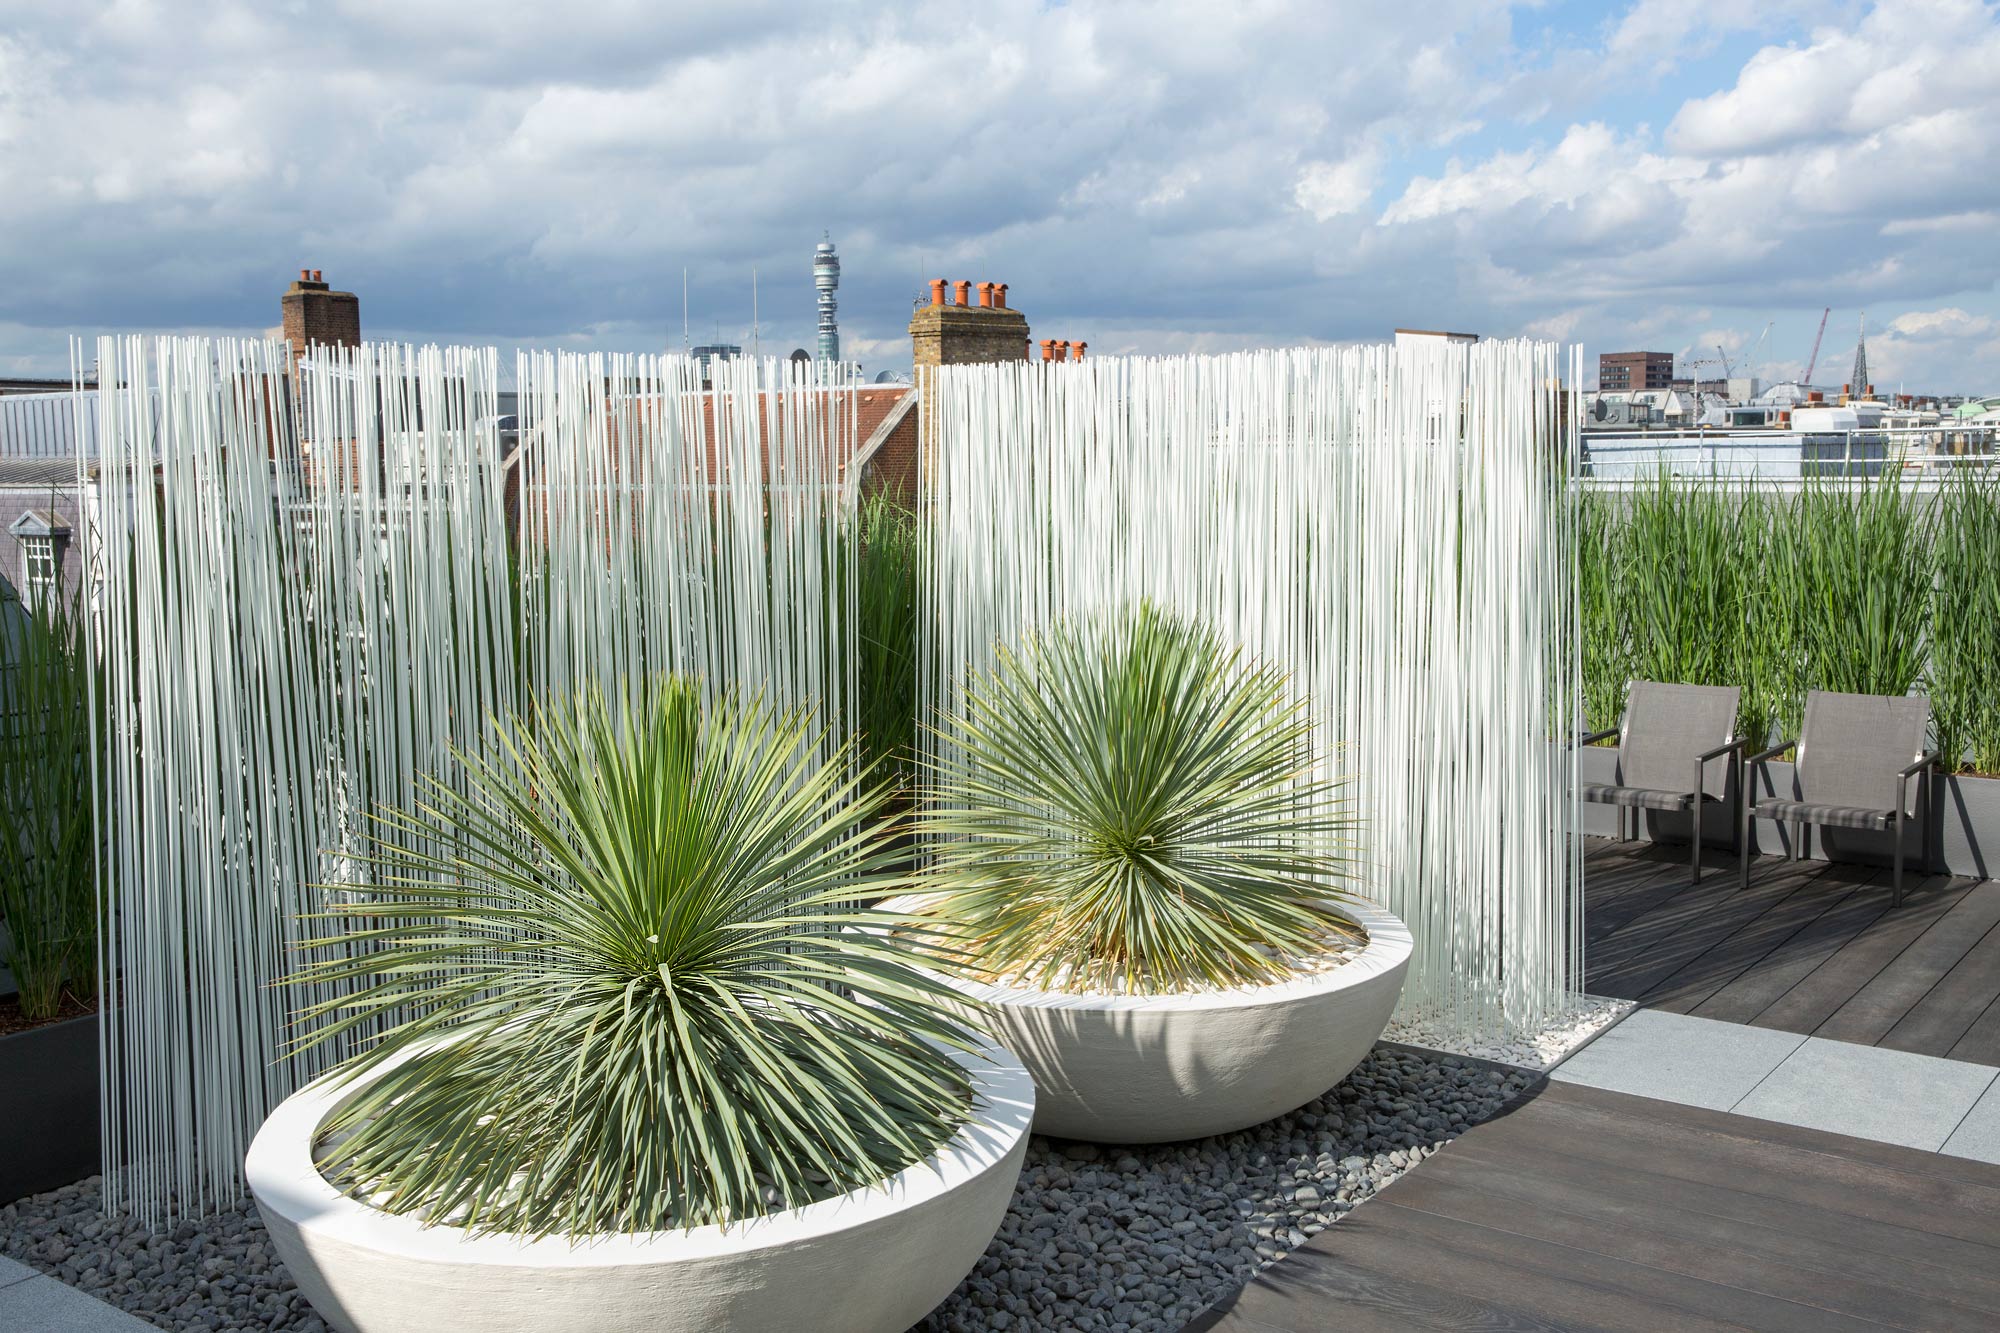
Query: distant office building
1631,372
708,352
1406,338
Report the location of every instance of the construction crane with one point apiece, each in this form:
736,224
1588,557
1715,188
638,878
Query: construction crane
1727,373
1812,361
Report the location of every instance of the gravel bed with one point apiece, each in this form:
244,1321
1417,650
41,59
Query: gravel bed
1142,1239
1542,1049
1126,1240
216,1273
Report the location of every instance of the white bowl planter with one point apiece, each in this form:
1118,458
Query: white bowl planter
1153,1069
879,1258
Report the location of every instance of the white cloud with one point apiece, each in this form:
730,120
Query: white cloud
1950,322
1334,189
1131,169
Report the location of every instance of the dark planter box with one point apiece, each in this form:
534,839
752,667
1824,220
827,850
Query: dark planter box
1964,818
48,1107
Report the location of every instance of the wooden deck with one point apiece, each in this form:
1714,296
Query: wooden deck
1810,947
1590,1209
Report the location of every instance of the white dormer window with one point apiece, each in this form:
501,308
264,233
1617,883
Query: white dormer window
44,539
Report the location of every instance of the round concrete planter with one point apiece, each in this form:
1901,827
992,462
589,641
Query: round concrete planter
875,1259
1153,1069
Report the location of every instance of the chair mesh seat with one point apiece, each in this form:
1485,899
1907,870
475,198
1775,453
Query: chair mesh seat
1642,798
1839,816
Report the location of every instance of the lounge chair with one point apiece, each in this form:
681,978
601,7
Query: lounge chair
1668,743
1857,754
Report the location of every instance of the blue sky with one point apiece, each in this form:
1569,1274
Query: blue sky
1148,177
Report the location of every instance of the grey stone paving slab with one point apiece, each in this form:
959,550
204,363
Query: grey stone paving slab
1978,1135
12,1271
47,1306
1675,1058
1870,1092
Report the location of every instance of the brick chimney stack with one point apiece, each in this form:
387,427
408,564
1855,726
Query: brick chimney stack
952,331
314,313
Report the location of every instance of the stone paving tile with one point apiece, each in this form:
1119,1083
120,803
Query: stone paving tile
45,1305
1870,1092
1675,1058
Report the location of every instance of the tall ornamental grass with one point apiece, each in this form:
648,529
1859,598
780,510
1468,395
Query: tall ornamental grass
889,553
1683,571
1605,640
1855,569
48,842
1861,586
1964,658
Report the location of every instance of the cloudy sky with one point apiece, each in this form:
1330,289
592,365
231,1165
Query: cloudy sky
1149,177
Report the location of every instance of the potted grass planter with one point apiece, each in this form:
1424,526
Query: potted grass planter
664,1072
1140,887
48,899
879,1257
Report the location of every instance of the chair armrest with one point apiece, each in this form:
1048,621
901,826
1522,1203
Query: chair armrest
1771,753
1721,750
1594,737
1922,764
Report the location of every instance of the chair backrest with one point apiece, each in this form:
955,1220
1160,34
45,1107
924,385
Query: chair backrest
1667,728
1853,745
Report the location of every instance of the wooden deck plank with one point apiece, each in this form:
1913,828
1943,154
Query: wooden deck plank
1589,1209
1648,951
1981,1043
1812,947
1949,1009
1766,979
1596,1210
1822,992
1877,1007
1746,949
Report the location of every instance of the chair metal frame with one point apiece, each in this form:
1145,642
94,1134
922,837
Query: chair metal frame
1695,798
1899,819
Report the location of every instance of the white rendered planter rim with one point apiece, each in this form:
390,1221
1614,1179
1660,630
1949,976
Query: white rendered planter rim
283,1177
1389,946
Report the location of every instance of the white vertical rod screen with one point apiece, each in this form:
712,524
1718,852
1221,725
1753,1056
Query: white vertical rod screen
319,584
1392,525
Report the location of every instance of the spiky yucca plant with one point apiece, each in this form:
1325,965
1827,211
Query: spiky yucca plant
1131,805
630,984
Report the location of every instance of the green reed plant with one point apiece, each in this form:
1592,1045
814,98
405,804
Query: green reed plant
1854,566
1688,558
1963,673
1131,805
1602,589
890,555
48,837
628,986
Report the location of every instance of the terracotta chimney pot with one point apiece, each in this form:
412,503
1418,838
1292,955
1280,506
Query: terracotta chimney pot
305,275
1062,349
1079,349
985,296
1000,295
317,277
937,291
963,290
1048,349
